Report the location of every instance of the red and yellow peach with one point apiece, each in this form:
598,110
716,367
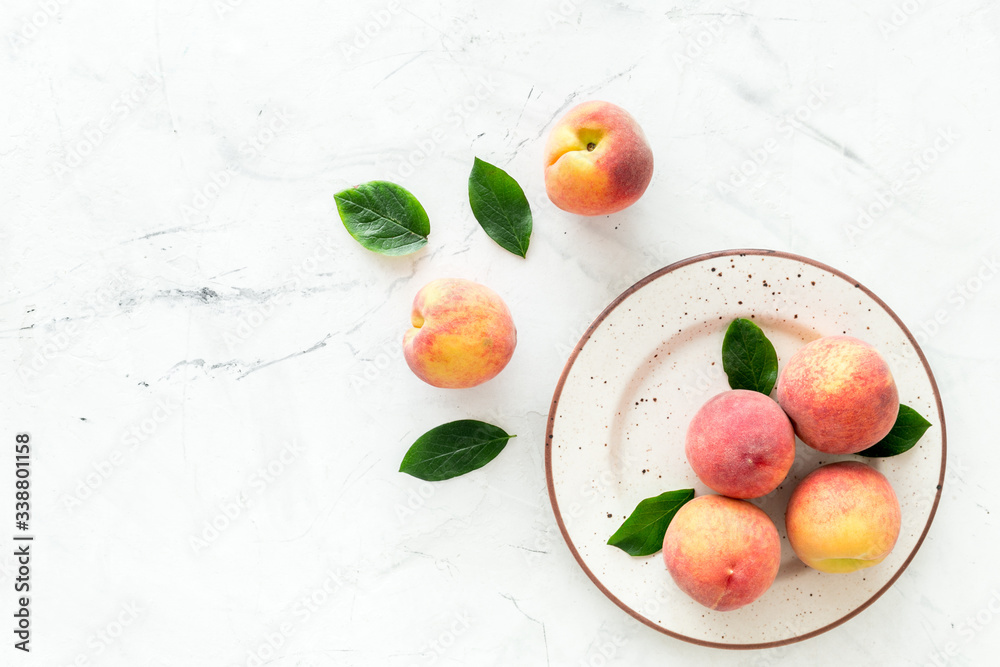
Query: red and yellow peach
597,160
740,444
839,393
722,552
843,517
462,335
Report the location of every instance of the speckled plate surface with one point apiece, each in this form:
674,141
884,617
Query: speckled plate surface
653,357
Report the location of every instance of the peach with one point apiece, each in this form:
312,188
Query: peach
740,444
843,517
722,552
462,335
597,160
839,393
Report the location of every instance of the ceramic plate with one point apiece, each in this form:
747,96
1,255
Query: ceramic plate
619,414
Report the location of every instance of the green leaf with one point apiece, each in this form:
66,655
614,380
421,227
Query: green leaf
454,449
910,426
643,531
749,358
500,206
384,217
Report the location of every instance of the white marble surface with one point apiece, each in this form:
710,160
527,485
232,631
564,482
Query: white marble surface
188,331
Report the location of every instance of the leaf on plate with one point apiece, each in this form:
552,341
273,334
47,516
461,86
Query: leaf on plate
910,426
501,208
454,449
643,530
384,217
748,357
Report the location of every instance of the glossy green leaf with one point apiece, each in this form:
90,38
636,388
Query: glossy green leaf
910,426
748,357
384,217
454,449
643,530
501,208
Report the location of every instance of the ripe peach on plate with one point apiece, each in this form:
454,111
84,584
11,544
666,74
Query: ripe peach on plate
462,335
740,444
839,393
597,160
843,517
722,552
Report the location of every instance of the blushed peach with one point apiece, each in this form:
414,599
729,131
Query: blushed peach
462,335
843,517
839,393
597,160
722,552
740,444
